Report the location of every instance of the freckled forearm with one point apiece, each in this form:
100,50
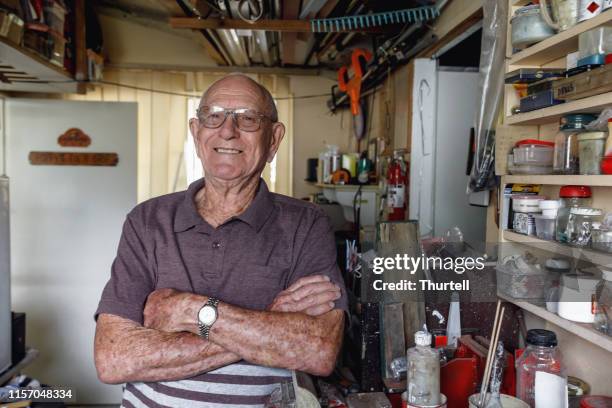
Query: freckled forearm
133,353
289,340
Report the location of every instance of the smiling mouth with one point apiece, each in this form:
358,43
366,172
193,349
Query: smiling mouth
227,151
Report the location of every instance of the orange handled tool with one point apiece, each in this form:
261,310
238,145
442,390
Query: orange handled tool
352,86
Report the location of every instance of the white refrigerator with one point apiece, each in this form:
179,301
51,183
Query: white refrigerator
444,107
5,277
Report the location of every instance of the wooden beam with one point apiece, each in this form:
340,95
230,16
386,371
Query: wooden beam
452,34
81,72
296,26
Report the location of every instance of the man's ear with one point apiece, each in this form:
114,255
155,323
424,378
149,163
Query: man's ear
278,132
194,125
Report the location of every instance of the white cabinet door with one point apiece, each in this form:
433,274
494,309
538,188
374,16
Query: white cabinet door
65,227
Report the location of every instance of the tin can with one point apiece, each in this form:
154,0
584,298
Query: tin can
589,9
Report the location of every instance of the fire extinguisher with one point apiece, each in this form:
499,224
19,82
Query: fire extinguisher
397,180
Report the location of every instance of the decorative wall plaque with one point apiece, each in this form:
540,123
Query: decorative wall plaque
73,159
74,137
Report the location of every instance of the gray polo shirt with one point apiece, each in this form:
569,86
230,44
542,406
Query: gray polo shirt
246,262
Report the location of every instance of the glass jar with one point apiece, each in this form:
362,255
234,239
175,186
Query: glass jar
571,196
566,143
603,311
423,372
580,223
541,354
591,146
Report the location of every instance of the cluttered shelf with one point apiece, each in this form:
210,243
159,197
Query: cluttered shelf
582,330
558,45
596,257
26,71
348,187
554,113
559,180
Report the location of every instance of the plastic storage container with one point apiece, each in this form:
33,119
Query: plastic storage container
591,149
603,309
518,283
601,238
524,209
423,375
540,355
566,143
580,223
550,208
571,196
597,41
534,152
545,226
576,297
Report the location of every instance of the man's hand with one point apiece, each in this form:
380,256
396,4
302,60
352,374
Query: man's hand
163,309
312,295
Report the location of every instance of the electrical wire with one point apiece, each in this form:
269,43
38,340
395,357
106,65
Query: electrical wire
194,95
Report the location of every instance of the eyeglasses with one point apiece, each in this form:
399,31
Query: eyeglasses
213,117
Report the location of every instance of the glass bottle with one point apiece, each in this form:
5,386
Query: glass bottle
565,159
423,375
571,197
541,354
603,311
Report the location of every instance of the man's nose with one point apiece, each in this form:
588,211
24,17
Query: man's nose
229,130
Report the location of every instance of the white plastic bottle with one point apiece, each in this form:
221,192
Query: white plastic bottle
423,365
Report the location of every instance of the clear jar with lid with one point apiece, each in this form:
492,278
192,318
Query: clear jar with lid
540,355
591,147
603,309
571,196
423,372
566,143
580,223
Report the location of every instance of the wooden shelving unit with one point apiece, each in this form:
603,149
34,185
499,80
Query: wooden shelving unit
596,257
591,359
26,71
559,180
582,330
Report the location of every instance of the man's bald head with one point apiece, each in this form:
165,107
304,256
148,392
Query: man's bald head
239,80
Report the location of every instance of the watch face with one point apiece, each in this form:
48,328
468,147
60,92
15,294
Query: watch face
207,315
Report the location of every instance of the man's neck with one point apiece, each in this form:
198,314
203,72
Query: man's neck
217,201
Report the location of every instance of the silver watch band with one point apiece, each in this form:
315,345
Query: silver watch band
205,328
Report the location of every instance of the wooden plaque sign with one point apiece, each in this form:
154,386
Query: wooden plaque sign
73,159
74,137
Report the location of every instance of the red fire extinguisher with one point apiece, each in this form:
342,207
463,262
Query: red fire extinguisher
397,181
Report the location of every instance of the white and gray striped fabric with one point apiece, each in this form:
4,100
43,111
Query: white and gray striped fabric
240,385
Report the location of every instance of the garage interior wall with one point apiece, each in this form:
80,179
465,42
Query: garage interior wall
163,126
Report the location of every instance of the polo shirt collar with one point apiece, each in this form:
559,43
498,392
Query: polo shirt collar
255,215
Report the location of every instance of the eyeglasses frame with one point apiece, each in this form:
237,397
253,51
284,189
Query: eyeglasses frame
233,113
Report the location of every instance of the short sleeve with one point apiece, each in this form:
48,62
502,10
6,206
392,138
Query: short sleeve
317,256
132,278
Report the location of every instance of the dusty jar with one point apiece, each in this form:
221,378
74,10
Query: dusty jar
591,149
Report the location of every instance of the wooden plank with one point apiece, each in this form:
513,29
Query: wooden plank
559,180
452,34
81,72
296,26
73,159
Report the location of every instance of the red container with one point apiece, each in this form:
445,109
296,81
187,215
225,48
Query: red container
606,165
596,401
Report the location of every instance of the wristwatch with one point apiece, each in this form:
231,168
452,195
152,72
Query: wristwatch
207,316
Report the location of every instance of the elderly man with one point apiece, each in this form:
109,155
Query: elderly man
218,291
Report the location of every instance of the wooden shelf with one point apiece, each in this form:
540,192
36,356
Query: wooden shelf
559,45
592,104
348,187
596,257
559,180
36,73
582,330
520,3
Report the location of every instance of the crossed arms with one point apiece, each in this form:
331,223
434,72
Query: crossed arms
300,330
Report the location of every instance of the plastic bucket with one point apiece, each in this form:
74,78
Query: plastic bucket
406,405
506,400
